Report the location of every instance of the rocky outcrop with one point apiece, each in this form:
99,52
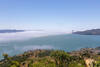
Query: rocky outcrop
89,62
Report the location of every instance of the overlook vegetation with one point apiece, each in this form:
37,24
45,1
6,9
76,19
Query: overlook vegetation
53,58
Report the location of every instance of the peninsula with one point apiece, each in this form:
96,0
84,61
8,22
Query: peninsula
88,32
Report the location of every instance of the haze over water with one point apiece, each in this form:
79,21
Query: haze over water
17,44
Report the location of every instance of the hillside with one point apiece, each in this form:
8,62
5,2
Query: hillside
86,57
11,31
88,32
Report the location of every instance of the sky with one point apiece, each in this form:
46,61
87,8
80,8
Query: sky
50,15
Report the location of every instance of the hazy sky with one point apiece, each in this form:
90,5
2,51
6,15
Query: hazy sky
53,15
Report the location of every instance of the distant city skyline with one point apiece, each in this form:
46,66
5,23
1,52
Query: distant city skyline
50,15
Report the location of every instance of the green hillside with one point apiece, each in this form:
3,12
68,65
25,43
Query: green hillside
53,58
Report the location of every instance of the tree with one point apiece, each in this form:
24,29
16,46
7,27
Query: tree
5,56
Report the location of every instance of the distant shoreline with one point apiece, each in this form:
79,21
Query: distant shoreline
88,32
11,31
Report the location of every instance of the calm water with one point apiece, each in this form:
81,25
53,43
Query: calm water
65,42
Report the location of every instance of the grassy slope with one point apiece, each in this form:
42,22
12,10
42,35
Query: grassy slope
44,58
